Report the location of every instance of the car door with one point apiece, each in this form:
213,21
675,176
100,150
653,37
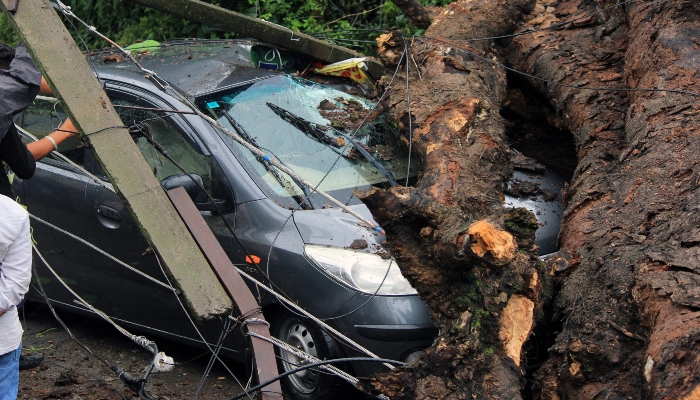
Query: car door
111,227
66,197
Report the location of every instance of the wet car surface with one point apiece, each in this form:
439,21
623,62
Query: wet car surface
306,247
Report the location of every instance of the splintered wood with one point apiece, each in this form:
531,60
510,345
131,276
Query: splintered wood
515,325
486,238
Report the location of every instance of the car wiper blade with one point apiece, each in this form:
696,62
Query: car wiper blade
309,128
320,134
244,134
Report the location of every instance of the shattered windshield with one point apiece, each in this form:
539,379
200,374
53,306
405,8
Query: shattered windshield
312,129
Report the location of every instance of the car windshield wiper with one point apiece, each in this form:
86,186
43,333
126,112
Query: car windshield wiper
320,133
308,127
244,134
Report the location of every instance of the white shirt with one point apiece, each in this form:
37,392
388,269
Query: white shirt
15,270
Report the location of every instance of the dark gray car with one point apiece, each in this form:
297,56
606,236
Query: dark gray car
305,245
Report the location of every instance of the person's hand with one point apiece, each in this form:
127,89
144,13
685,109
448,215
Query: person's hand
42,148
1,313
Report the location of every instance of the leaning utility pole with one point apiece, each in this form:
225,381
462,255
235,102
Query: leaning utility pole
72,80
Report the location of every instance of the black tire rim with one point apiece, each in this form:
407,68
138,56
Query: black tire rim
298,335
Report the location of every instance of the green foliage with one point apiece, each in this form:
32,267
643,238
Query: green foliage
350,23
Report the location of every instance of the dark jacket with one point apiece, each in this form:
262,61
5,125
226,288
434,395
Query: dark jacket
18,87
18,158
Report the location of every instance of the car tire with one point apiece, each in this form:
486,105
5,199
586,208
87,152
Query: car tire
309,384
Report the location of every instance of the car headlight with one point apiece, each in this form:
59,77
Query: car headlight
360,270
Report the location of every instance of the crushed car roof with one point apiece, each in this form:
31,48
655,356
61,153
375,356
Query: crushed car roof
194,66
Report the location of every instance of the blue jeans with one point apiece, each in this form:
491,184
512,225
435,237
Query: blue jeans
9,374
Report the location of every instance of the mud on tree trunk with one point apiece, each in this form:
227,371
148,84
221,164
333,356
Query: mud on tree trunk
630,296
472,261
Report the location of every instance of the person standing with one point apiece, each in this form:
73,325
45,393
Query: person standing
15,275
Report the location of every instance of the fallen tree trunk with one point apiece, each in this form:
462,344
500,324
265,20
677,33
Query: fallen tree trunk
632,290
629,287
449,232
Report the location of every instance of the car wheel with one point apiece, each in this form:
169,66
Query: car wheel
309,384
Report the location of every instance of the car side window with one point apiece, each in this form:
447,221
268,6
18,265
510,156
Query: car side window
170,138
42,118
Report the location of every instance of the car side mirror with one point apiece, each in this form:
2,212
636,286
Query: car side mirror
192,185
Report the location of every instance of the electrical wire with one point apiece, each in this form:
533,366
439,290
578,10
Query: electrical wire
313,365
306,357
163,85
157,146
142,129
66,11
104,253
408,106
87,48
531,76
139,340
60,321
138,385
194,326
67,160
329,329
368,299
284,298
142,392
219,344
224,332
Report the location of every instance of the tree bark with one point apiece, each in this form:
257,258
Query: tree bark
631,293
627,275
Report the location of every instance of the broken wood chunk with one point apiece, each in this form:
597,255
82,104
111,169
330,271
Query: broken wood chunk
486,238
515,325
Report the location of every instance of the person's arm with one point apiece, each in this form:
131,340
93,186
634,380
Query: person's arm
44,88
43,147
16,268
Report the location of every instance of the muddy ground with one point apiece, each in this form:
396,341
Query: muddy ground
69,372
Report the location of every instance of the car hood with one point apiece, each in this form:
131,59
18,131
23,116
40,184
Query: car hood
335,227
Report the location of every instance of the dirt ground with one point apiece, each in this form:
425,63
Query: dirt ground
69,372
